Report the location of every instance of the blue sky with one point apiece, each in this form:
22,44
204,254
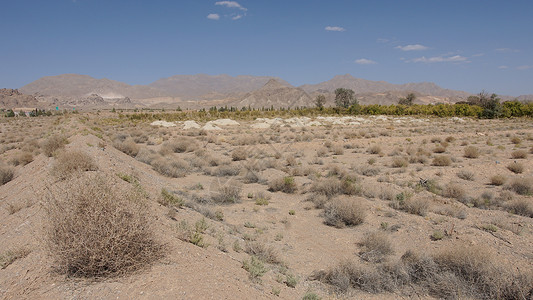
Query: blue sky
467,45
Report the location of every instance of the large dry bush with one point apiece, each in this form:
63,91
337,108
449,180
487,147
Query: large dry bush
375,247
22,158
522,186
471,152
6,174
52,144
181,145
70,162
94,230
515,167
441,161
341,212
228,193
283,184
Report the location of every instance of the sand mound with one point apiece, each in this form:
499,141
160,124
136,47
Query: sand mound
163,124
191,125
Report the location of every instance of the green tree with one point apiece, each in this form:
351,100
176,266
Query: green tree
320,100
407,100
345,98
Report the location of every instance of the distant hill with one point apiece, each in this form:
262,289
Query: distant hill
12,98
75,85
199,85
277,94
360,86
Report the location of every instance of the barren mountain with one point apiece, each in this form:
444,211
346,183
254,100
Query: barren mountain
10,98
194,86
367,86
75,85
276,94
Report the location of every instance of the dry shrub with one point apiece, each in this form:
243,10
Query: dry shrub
522,207
439,149
6,174
226,170
228,193
261,251
170,167
127,146
453,190
322,152
10,256
519,154
415,206
53,143
515,167
94,230
283,184
498,180
338,150
399,162
522,186
328,187
342,212
375,247
70,162
466,175
516,140
239,154
146,156
442,161
184,144
374,149
471,152
456,273
22,158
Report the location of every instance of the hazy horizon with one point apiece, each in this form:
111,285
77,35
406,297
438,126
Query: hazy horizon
468,46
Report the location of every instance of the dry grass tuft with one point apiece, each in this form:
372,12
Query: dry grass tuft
375,247
519,154
171,167
341,212
522,186
263,252
283,184
515,167
239,154
70,162
127,146
6,174
442,161
498,180
10,256
93,230
52,144
471,152
399,162
228,193
22,158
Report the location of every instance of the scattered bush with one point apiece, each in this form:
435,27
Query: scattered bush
375,247
170,167
169,199
374,149
127,146
399,162
519,154
516,140
522,186
184,144
284,184
70,162
254,267
264,253
522,207
498,180
466,175
6,174
239,154
328,187
22,158
342,212
442,161
471,152
11,256
515,167
53,143
228,193
415,206
453,190
94,230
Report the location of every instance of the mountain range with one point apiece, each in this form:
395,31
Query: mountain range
244,90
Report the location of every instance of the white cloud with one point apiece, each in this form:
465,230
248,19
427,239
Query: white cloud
503,67
334,28
364,61
435,59
231,4
213,17
237,17
415,47
506,50
524,67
